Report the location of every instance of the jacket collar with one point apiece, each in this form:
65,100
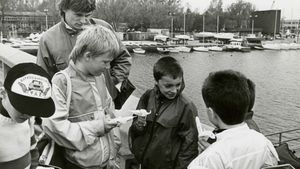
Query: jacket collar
79,73
69,29
229,132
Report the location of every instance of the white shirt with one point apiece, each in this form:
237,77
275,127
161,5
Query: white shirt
237,148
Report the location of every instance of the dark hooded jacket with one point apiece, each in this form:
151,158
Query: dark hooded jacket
169,139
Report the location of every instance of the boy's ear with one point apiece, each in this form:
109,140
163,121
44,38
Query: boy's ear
210,112
87,55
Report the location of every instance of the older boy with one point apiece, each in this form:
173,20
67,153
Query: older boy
167,138
226,96
57,43
26,93
84,127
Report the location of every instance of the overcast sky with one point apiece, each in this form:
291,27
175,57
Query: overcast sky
290,9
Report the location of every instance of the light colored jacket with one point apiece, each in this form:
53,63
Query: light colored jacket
80,128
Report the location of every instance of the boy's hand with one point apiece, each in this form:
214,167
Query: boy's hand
202,144
141,121
205,139
110,124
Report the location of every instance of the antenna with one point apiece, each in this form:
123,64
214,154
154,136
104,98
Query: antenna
272,6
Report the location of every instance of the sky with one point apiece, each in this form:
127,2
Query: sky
290,9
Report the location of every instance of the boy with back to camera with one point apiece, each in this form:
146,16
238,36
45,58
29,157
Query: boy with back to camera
84,127
226,96
26,93
166,138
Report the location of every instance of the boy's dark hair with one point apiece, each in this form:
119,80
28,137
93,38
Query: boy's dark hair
84,6
167,66
227,93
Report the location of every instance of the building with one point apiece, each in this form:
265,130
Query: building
268,21
290,26
21,24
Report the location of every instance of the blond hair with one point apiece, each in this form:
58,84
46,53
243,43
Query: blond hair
97,40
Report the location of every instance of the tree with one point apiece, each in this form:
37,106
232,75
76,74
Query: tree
238,13
138,14
112,11
212,14
49,5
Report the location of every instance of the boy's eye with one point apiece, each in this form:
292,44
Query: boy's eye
168,86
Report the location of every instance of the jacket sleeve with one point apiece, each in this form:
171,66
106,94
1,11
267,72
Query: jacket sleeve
189,134
43,57
116,136
121,64
76,135
143,102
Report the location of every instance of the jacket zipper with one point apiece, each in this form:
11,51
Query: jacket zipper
151,133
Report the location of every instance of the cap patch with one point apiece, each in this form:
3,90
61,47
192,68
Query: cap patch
32,85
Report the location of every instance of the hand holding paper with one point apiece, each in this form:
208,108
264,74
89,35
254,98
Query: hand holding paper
141,112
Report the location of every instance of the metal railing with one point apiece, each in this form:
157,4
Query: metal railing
9,57
280,136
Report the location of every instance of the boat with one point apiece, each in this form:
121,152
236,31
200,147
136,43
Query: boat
237,45
200,49
183,49
215,48
255,43
139,50
295,46
163,50
270,46
258,48
287,145
173,50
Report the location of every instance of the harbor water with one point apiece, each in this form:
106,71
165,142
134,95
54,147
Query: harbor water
275,73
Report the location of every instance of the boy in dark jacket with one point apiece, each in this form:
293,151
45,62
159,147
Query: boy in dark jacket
166,138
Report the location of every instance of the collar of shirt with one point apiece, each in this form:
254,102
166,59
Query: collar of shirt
80,74
69,29
228,132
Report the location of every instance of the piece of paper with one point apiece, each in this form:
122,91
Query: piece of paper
141,112
42,167
122,120
208,134
198,124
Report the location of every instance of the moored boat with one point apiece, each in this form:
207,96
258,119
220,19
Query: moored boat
215,48
237,45
200,49
173,50
139,50
163,50
184,49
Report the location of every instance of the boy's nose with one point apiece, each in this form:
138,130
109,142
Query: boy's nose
83,19
107,66
174,89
